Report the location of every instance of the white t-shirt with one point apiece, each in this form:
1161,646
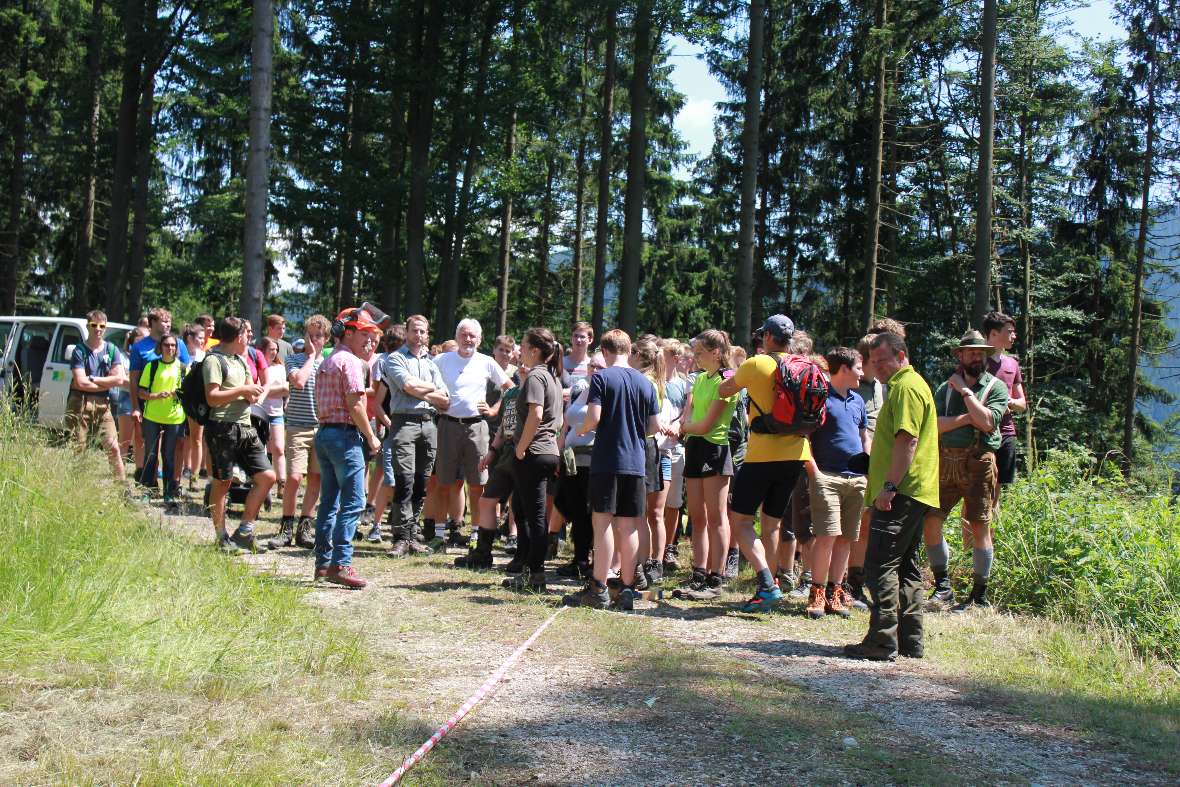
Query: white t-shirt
467,381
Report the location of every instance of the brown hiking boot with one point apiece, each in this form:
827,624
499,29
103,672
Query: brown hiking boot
345,576
816,602
305,533
834,604
401,548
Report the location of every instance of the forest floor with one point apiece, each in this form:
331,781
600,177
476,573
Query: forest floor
673,693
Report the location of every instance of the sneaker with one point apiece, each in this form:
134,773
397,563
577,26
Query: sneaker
286,535
869,651
226,545
762,600
510,545
374,536
671,563
345,576
305,533
860,601
640,581
732,563
526,582
592,595
625,601
573,570
834,602
850,601
816,602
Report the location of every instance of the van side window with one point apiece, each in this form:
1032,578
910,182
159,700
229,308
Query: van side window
65,337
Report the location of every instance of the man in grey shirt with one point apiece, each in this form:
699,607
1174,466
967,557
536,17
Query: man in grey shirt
417,393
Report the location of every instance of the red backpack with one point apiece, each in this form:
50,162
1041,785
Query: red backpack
800,399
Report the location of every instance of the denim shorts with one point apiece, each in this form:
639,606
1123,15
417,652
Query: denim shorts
666,466
277,420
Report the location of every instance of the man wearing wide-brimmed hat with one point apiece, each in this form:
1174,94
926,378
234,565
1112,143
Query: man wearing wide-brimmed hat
970,406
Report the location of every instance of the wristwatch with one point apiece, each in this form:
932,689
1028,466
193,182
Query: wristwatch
889,487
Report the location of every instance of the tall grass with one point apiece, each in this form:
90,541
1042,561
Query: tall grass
86,579
1076,545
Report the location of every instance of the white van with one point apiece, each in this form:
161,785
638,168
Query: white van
35,360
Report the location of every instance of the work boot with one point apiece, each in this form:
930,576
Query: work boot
286,535
977,599
942,597
305,533
478,558
870,651
816,602
834,601
415,540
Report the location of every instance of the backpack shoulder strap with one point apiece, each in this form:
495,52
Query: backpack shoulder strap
151,370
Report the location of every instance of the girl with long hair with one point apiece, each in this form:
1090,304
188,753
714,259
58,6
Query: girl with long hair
648,358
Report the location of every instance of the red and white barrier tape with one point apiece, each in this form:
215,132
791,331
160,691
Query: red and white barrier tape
471,702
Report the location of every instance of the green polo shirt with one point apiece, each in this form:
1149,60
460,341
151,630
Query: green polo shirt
949,403
909,407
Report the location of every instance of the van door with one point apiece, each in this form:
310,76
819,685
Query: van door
30,356
6,330
55,381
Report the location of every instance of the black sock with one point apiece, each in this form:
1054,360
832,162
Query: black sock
765,579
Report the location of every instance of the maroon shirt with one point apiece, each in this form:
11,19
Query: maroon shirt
1007,369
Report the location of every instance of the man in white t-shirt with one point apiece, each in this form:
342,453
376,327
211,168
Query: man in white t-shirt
462,429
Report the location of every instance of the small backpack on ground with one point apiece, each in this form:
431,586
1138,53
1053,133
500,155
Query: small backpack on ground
192,389
800,399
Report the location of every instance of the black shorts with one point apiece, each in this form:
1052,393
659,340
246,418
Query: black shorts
1006,460
500,480
703,459
653,478
619,495
235,444
765,485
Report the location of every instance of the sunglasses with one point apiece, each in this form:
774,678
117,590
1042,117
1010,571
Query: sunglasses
102,326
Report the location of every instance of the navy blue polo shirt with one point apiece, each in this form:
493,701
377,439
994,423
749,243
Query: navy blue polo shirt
838,440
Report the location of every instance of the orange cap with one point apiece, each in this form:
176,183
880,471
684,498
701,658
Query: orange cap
358,319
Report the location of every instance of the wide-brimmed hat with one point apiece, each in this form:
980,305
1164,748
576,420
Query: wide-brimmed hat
973,340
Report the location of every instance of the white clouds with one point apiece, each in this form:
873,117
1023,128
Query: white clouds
695,124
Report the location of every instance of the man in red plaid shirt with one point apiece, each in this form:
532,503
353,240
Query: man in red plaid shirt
340,446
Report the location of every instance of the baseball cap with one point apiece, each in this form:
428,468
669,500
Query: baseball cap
779,326
358,319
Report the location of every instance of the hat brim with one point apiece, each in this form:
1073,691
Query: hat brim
975,347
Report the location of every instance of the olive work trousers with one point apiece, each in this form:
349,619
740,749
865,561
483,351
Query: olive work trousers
893,576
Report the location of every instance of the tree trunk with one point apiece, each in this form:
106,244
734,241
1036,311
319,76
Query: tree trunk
1024,198
580,184
605,138
258,162
116,274
629,278
873,218
543,238
750,126
987,121
506,208
421,127
346,223
1141,252
80,300
144,157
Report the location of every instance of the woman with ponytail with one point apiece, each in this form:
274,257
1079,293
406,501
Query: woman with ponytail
538,422
648,358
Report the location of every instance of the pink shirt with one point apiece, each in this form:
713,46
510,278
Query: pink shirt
341,374
1007,369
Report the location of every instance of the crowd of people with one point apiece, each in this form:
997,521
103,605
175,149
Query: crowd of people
626,447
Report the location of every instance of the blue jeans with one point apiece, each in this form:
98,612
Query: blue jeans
342,493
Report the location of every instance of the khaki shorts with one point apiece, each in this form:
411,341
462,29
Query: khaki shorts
836,504
967,474
460,447
88,414
300,450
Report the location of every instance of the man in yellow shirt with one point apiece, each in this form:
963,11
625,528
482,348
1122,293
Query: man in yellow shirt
903,488
773,461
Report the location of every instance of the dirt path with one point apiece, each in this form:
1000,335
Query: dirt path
673,694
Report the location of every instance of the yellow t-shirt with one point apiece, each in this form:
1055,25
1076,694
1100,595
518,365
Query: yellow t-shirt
756,375
909,408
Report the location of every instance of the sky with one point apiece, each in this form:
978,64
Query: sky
691,76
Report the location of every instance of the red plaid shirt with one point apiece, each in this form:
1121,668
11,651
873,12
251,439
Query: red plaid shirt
341,374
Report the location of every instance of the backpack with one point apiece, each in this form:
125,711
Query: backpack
192,389
800,399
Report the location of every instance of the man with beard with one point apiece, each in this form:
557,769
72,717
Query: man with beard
970,406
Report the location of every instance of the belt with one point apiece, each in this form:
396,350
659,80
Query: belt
337,426
417,415
473,420
89,395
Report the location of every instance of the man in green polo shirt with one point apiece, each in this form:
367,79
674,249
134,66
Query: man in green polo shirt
970,405
902,488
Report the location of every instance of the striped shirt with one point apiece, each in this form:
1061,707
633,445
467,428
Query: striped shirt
301,405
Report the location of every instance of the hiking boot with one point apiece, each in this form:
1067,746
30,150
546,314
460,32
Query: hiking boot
715,581
455,537
911,653
305,533
573,570
365,520
244,538
834,602
510,545
732,563
640,581
802,586
696,583
847,599
474,560
856,595
763,600
625,601
942,597
654,571
286,535
591,595
526,581
515,566
224,544
976,601
345,576
401,548
816,602
671,563
869,651
374,536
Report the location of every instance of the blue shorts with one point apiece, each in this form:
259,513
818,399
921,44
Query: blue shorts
666,466
277,420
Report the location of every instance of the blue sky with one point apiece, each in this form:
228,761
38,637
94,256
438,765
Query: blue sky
692,78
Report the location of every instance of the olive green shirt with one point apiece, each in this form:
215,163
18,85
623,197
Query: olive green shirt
909,408
237,411
990,390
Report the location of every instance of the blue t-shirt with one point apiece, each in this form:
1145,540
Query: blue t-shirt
676,391
628,399
838,440
144,351
95,364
